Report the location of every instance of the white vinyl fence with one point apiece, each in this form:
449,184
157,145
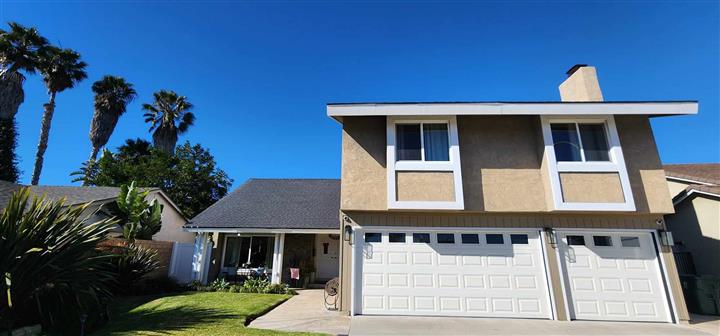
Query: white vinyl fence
181,262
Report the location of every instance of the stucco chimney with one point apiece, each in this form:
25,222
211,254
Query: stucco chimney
581,85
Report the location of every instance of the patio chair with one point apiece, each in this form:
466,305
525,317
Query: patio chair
332,293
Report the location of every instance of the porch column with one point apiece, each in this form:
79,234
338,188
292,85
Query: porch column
278,258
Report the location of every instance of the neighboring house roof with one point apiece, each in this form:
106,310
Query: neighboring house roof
276,204
702,179
696,172
73,194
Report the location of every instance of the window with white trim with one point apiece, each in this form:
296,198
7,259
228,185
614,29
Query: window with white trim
580,142
422,142
587,145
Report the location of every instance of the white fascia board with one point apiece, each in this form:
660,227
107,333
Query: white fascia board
251,230
686,181
435,109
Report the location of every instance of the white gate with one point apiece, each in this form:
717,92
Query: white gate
181,262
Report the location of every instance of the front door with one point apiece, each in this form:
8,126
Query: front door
326,256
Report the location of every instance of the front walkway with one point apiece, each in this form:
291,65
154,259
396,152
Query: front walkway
304,312
397,325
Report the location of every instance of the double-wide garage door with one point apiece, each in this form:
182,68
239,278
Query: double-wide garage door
502,273
482,273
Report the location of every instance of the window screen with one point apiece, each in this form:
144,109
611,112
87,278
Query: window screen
594,142
435,138
566,142
408,144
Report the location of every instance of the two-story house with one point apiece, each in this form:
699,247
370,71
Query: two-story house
550,210
508,209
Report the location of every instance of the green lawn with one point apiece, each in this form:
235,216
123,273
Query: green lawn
191,313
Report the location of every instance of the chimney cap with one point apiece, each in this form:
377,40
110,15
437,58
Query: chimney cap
575,68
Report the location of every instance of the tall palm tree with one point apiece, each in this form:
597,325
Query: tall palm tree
61,69
19,49
169,115
112,95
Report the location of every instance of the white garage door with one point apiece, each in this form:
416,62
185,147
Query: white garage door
451,273
613,276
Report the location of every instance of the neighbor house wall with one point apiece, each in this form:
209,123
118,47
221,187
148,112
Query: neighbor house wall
172,222
696,229
676,187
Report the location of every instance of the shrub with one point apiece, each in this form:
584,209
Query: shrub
52,272
220,285
262,285
131,265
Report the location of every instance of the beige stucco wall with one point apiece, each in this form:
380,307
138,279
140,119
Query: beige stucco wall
503,167
364,178
172,222
591,187
500,157
425,186
696,229
645,172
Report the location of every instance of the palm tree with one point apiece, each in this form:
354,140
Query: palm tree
169,115
61,69
112,95
19,49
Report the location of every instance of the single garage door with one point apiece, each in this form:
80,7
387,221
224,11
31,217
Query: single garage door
613,276
451,273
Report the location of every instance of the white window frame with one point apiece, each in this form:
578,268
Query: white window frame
615,165
453,165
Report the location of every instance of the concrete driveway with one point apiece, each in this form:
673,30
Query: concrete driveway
304,312
396,325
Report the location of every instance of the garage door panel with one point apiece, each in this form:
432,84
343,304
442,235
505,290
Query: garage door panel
474,279
613,276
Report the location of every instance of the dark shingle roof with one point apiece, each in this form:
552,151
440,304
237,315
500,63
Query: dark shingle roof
700,172
276,204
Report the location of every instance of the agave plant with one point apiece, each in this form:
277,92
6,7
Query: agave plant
51,269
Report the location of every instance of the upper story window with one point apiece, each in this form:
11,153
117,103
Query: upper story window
422,142
580,142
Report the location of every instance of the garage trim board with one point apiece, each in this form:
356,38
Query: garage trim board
450,272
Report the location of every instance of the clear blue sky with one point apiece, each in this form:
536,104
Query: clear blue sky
260,74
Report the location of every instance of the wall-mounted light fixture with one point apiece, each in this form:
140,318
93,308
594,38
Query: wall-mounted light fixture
666,238
347,233
550,233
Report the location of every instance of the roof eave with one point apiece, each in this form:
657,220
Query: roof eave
662,108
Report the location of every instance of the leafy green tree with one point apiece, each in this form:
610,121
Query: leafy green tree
112,95
19,52
169,116
190,177
50,267
138,218
61,69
